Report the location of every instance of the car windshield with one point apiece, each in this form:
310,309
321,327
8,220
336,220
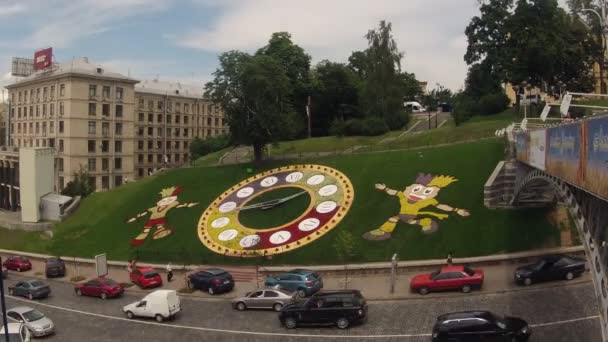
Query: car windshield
435,273
110,282
312,276
32,316
37,283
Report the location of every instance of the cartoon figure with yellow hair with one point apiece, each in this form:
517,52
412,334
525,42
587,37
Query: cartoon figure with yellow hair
158,215
413,199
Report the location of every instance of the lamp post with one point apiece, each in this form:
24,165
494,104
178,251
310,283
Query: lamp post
604,36
3,304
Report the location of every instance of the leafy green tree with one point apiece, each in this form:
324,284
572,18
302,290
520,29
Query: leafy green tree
201,147
480,81
80,185
345,247
411,86
439,94
254,92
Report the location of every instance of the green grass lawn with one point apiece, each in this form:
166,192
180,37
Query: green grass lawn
213,158
100,225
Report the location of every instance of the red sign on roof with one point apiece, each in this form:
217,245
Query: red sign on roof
43,59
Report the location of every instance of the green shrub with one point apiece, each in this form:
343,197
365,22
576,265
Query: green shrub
493,103
353,127
201,147
464,108
397,121
337,128
374,126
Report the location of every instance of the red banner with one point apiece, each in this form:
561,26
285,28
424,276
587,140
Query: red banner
43,59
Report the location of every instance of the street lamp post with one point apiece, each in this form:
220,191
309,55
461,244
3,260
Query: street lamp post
3,304
604,36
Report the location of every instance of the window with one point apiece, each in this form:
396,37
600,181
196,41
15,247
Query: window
60,108
91,144
160,105
60,145
19,112
150,158
185,132
140,145
140,131
150,144
31,111
119,93
168,157
177,158
105,182
92,90
117,180
92,127
105,129
168,145
177,132
92,108
177,107
140,158
43,110
105,109
60,164
186,108
105,146
92,183
169,106
62,90
141,117
141,103
168,118
92,164
177,119
186,119
159,118
105,92
37,94
150,104
37,127
118,130
32,96
150,118
45,94
117,163
37,110
105,164
150,131
140,172
31,128
60,126
159,144
159,131
52,109
19,128
208,121
118,146
19,97
185,156
177,144
51,127
168,132
52,92
119,111
208,133
217,122
43,128
159,158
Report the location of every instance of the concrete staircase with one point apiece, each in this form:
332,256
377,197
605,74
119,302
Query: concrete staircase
500,187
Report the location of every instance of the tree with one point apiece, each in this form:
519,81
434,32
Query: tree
345,248
80,185
411,86
201,147
254,92
436,96
480,81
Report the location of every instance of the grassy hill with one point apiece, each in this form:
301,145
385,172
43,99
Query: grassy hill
100,223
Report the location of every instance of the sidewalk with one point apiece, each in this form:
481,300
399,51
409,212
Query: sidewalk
498,279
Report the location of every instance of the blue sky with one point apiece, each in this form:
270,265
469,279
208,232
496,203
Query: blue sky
179,40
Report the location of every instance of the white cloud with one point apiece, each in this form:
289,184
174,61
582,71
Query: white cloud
7,10
430,32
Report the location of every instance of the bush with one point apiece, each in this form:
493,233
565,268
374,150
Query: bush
337,128
201,147
464,108
374,126
493,103
397,121
353,127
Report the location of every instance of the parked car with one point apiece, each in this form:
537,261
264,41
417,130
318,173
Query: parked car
54,267
550,268
99,287
340,307
4,272
17,332
18,263
263,299
35,321
160,305
304,282
414,107
461,278
146,277
479,326
212,280
30,288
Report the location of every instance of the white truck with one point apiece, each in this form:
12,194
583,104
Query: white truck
160,305
414,106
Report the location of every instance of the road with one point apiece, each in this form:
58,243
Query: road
568,310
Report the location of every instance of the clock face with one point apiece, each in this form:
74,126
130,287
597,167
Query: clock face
331,196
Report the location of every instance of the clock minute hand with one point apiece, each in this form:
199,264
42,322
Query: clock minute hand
272,203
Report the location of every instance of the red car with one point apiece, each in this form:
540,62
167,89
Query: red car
18,263
99,287
448,278
146,277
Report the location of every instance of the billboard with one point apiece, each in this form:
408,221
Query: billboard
564,152
43,59
22,67
521,147
596,165
537,148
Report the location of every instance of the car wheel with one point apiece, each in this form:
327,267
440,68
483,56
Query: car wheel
527,281
211,290
104,296
466,289
241,306
159,318
129,315
290,323
301,293
78,292
277,307
30,296
569,276
423,290
342,323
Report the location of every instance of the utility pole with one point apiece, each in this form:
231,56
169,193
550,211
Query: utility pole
308,104
2,299
604,36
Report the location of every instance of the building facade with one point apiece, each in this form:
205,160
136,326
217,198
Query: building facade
101,121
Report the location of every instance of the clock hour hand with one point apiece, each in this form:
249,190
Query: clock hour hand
272,203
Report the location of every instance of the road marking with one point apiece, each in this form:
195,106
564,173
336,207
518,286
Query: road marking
241,332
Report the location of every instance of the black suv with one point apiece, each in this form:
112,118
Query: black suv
213,280
54,267
340,307
479,326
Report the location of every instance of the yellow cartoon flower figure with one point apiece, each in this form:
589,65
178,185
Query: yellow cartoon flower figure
413,199
158,215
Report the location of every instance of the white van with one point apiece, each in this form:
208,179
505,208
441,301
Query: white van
414,106
160,304
17,332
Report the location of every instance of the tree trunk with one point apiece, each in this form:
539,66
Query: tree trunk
517,102
258,152
602,83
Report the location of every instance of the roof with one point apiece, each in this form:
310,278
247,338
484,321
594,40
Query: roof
301,271
457,268
463,314
81,66
177,89
56,198
214,271
21,309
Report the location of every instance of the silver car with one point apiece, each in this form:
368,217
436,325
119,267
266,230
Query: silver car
263,299
35,321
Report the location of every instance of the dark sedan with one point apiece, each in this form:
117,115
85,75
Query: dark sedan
550,268
212,280
480,326
30,289
54,267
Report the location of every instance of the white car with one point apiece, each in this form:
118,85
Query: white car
414,106
17,332
37,323
160,305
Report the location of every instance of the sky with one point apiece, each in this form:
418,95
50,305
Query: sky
180,40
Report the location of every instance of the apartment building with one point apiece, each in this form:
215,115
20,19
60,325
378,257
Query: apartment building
100,120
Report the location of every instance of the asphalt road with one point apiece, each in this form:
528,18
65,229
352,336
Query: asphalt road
566,312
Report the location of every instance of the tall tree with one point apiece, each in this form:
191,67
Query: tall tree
254,92
480,81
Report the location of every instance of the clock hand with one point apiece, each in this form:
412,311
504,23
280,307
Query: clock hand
272,203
